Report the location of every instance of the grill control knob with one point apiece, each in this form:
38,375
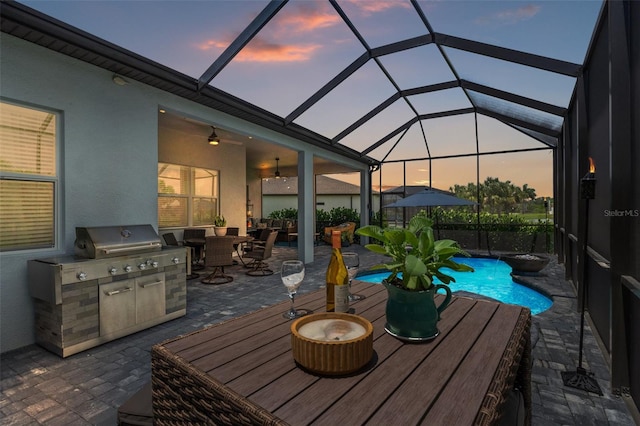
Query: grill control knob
128,268
82,276
142,266
113,271
175,260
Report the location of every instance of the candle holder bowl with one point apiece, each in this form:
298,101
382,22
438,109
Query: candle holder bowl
332,357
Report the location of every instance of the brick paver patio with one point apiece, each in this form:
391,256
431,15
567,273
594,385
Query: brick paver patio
87,388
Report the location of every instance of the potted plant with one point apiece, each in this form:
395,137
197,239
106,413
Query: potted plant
220,226
416,259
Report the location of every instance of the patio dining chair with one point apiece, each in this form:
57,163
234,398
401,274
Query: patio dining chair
258,255
194,237
218,254
170,240
260,241
234,232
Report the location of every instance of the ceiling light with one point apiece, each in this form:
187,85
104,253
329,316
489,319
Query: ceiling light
119,80
277,169
213,138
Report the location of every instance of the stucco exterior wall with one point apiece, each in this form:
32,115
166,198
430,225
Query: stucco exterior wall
107,165
108,160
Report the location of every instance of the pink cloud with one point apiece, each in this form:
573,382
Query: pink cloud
213,45
369,7
289,28
510,16
307,20
262,51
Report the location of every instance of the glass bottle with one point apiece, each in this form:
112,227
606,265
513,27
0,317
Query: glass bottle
337,278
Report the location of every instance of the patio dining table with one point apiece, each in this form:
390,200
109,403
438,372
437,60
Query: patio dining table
200,243
242,371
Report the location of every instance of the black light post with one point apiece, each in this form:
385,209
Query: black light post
580,379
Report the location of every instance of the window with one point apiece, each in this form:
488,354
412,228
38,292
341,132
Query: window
28,177
187,196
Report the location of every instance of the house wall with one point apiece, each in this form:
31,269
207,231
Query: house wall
110,150
323,202
109,157
328,202
230,160
108,172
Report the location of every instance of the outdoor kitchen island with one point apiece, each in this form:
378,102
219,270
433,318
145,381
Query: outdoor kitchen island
120,281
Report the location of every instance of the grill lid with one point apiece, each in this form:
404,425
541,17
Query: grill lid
108,241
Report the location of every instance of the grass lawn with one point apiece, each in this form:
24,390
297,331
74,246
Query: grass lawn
534,217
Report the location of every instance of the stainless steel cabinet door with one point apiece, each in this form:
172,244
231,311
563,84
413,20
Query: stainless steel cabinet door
117,306
150,298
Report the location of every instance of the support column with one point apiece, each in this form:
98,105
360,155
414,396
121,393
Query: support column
622,183
306,206
366,201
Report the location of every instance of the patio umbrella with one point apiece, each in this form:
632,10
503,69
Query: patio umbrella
431,198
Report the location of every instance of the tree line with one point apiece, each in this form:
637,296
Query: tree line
500,197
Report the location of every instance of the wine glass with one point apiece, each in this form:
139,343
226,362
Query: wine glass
352,262
292,275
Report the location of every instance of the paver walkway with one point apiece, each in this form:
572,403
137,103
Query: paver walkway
39,387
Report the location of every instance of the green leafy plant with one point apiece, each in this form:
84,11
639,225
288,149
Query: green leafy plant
287,213
339,215
219,221
416,257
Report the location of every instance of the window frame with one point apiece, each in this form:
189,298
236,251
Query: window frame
44,178
191,195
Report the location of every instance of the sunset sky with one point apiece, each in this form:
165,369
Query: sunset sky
307,44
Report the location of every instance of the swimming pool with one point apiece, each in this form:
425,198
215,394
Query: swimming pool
491,278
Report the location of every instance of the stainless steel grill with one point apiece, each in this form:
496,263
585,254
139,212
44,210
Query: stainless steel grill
109,241
120,281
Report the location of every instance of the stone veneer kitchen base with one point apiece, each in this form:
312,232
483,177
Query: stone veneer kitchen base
74,325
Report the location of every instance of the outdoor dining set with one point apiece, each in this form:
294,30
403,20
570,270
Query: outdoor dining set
216,252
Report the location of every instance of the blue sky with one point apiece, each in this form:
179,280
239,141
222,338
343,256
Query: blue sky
307,44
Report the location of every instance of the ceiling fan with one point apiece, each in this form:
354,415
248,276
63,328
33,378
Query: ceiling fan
214,134
219,136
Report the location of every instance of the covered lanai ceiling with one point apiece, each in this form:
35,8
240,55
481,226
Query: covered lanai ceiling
375,80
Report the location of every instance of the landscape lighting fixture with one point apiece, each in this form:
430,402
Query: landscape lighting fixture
213,138
277,168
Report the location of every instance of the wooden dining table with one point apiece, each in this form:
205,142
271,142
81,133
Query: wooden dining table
242,371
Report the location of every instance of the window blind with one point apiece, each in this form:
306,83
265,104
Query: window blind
27,177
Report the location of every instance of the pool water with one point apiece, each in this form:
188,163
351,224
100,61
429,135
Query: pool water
492,278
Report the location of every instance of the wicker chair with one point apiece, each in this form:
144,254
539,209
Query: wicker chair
258,266
198,234
234,232
170,240
218,254
259,242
